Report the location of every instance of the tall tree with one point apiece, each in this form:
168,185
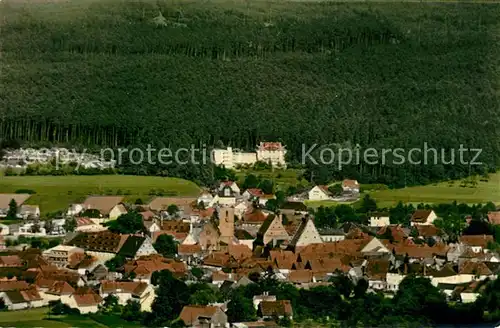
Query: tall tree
166,245
171,297
70,224
240,308
12,212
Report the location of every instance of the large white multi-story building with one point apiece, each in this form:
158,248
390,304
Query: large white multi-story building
269,152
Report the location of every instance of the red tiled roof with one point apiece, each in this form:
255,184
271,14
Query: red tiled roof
190,313
85,296
10,261
255,192
12,285
300,276
60,288
188,249
256,216
146,215
350,183
132,287
239,252
270,146
476,240
475,268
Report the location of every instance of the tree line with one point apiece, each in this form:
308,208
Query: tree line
375,75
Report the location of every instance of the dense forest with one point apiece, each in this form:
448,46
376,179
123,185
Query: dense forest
176,73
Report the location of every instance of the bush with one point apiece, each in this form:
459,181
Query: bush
25,191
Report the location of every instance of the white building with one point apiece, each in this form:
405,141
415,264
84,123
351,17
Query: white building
272,153
319,193
379,220
140,292
269,152
230,158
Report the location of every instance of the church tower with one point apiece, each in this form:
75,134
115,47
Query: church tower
226,224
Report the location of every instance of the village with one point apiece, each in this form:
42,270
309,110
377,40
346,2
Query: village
228,238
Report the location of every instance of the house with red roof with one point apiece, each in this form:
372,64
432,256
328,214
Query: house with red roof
351,186
203,316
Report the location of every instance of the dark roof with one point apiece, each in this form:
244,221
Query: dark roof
242,234
299,231
131,246
280,308
420,215
265,225
101,242
493,266
297,206
226,286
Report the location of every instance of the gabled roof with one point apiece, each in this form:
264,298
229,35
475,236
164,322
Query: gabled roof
255,217
279,308
350,183
242,234
301,229
427,230
131,246
104,241
420,215
161,203
255,192
188,249
191,313
60,288
26,295
270,146
475,268
476,240
5,199
85,296
300,276
10,261
104,204
266,224
297,206
12,285
132,287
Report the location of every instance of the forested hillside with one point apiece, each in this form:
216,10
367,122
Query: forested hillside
179,72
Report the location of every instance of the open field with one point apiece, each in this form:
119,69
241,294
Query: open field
282,178
39,318
444,192
326,203
57,192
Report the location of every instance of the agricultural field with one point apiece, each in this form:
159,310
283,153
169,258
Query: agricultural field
55,193
444,192
39,318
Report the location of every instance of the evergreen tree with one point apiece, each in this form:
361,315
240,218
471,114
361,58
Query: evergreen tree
12,212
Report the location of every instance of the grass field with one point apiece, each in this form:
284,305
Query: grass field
38,318
282,178
57,192
444,192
